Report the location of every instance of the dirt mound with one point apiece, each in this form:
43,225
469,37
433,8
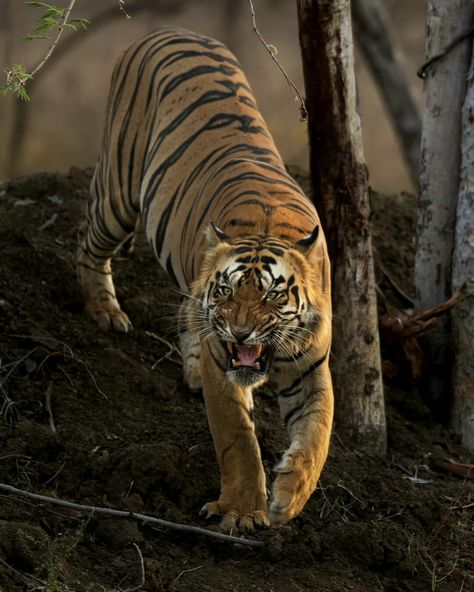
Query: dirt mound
104,419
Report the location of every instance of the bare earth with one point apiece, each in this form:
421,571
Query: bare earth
129,435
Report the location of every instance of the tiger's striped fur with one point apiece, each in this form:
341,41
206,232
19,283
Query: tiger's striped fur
184,144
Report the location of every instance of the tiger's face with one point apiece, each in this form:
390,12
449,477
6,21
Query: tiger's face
256,301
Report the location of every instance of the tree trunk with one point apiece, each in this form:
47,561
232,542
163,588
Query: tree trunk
463,271
439,178
373,32
340,191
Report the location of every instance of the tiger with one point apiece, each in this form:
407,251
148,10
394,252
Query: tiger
186,149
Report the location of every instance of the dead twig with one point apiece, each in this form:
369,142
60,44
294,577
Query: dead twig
55,474
142,518
51,343
167,356
339,484
8,409
142,571
47,398
14,365
181,573
49,222
272,51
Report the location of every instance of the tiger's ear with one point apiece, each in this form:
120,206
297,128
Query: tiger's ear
308,243
215,235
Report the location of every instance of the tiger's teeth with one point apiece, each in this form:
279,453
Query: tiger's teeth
229,346
234,363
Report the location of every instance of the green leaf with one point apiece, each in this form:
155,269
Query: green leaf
81,22
49,7
31,37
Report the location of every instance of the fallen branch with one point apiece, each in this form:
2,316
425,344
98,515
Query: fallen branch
143,518
447,465
396,325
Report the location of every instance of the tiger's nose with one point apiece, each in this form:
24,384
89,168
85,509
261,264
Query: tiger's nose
241,334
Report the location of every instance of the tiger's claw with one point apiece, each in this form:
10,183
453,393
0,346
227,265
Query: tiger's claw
233,520
108,317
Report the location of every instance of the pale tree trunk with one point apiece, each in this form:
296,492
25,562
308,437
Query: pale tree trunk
439,177
463,271
381,52
340,192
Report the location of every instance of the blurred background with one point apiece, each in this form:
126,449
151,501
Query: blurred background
62,124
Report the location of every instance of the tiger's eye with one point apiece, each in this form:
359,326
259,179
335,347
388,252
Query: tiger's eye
274,295
222,291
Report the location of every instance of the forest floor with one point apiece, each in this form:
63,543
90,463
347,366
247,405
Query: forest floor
104,419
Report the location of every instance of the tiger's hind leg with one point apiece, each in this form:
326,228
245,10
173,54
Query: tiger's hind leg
190,347
108,224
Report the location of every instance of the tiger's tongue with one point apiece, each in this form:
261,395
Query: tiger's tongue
248,354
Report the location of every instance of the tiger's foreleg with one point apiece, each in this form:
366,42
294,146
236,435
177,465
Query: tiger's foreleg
308,416
243,499
106,227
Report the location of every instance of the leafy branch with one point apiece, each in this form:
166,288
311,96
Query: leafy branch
54,19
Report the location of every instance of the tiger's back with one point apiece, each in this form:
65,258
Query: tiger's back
183,138
186,148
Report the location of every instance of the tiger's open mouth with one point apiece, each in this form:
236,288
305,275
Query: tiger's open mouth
255,357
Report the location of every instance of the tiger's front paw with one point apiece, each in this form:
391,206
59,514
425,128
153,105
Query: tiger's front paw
292,488
237,517
108,315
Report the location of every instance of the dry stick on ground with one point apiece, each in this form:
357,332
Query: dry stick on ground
271,50
143,518
448,465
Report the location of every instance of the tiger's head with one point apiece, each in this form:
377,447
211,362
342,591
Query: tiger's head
261,297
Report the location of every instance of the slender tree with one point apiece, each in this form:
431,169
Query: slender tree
445,85
463,277
340,189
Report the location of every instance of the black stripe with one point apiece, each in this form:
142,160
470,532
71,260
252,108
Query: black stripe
292,412
170,270
290,390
